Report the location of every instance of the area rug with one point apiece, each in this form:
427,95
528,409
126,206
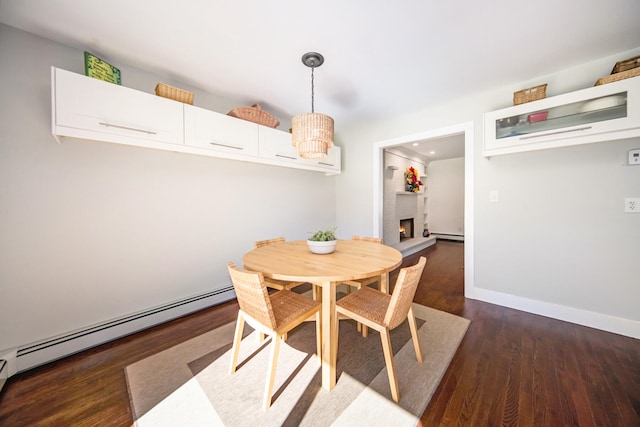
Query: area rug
189,384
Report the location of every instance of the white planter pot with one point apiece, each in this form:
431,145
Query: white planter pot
322,247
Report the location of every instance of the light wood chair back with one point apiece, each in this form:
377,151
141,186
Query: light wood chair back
252,295
383,313
367,239
261,243
403,293
271,314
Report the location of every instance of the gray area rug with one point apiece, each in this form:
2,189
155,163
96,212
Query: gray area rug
189,384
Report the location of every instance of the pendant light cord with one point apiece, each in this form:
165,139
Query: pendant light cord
312,90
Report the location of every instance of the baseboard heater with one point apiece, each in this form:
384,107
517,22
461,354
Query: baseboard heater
4,372
52,349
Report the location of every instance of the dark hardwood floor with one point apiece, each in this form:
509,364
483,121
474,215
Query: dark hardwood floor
512,368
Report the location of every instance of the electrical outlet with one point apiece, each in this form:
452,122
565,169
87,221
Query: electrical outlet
632,204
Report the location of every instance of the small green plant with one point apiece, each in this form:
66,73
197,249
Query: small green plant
324,235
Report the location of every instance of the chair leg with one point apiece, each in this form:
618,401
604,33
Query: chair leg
391,369
414,334
336,334
271,371
237,337
284,336
319,336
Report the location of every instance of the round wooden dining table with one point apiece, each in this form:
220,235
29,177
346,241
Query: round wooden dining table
351,260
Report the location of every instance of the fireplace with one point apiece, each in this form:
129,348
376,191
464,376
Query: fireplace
406,229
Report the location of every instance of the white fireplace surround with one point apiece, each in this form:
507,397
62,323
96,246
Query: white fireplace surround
406,206
400,204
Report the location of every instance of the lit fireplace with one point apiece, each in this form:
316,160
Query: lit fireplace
406,229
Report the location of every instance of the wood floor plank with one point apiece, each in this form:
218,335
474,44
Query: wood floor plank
512,368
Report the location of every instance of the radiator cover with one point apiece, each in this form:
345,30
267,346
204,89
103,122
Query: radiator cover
48,350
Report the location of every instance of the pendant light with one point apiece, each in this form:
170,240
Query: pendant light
312,133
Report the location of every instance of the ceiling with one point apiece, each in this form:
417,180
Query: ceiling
382,58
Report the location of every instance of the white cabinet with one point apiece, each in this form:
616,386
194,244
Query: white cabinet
88,108
602,113
218,132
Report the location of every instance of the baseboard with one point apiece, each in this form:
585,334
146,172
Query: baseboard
604,322
48,350
445,236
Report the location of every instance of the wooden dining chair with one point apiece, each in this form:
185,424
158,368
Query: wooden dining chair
273,314
383,313
275,283
369,280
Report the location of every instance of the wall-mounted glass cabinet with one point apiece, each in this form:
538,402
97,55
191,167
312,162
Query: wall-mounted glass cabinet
601,113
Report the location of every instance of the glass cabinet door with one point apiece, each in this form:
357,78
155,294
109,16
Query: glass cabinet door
608,112
581,114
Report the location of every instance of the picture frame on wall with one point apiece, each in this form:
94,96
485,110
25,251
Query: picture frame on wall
101,70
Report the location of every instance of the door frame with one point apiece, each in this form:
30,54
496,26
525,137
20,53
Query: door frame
467,129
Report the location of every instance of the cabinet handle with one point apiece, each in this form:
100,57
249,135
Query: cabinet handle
555,133
226,146
111,125
286,157
325,164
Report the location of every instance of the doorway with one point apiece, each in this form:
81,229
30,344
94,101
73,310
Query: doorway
466,129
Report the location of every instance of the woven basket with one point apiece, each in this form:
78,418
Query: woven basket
619,76
174,93
530,94
625,65
254,114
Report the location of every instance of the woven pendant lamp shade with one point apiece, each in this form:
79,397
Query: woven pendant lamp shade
312,134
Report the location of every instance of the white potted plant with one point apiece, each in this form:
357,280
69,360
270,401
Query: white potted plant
323,241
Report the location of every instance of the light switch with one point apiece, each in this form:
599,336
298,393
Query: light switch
634,157
494,196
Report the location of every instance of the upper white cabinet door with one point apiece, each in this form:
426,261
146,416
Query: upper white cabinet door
209,130
601,113
276,145
84,107
330,164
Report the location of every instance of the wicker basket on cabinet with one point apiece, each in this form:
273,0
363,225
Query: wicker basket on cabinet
166,91
254,114
622,70
530,94
626,64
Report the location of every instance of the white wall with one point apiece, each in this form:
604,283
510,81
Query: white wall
92,231
445,192
558,242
